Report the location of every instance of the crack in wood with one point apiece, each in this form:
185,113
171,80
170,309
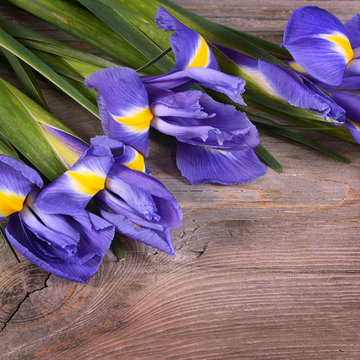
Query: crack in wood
28,293
200,253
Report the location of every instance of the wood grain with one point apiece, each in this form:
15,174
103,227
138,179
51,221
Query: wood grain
267,270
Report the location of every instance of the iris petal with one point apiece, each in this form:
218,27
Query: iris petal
158,239
123,154
350,102
72,191
353,30
312,28
190,48
16,182
169,211
200,164
185,104
95,241
124,106
354,128
288,85
299,91
231,86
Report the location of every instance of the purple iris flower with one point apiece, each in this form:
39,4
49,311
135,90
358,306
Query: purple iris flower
137,204
69,247
324,47
329,52
214,141
288,85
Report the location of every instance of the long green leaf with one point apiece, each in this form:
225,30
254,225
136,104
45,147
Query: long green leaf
340,132
268,158
128,31
34,40
11,44
256,119
306,141
117,247
263,44
59,65
6,148
23,131
153,61
27,78
85,26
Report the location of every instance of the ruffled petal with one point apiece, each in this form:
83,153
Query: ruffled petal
190,48
234,130
24,240
96,236
185,104
108,200
353,30
16,182
55,231
318,42
124,106
60,232
158,239
71,192
231,86
147,196
177,127
200,164
225,127
180,114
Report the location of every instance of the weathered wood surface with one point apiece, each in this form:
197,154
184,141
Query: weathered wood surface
267,270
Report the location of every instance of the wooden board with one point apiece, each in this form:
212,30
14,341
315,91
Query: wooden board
266,270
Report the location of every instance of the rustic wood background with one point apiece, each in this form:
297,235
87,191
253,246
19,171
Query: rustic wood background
266,270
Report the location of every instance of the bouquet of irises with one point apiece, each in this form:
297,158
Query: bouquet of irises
208,86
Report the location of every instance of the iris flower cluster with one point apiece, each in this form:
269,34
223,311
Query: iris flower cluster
215,142
51,227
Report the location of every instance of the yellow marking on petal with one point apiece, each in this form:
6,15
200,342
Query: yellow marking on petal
137,227
10,203
138,121
137,163
87,182
258,78
342,42
202,55
65,152
295,66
